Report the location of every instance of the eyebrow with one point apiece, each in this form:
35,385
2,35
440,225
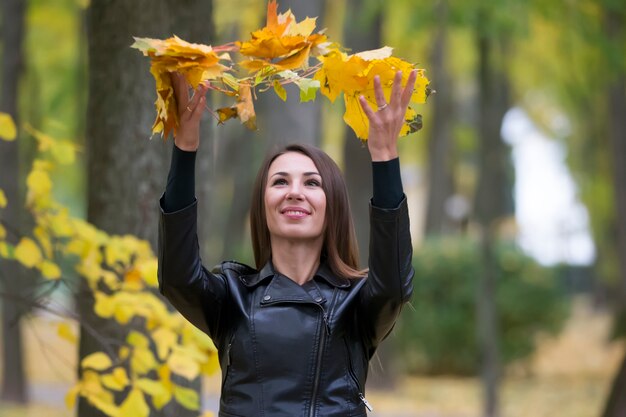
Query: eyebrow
285,174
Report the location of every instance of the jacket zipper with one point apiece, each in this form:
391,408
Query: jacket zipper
320,353
356,381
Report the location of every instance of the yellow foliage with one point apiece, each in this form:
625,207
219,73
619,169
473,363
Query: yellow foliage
187,397
196,62
277,54
98,361
164,339
353,75
28,253
49,270
183,364
116,380
134,405
142,361
7,127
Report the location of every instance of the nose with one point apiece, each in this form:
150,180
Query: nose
295,192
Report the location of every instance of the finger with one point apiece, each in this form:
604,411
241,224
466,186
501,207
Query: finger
367,109
181,90
195,100
396,90
409,88
378,92
199,109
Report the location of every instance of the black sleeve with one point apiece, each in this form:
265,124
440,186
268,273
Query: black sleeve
181,181
387,184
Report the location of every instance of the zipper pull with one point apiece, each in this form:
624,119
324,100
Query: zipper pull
327,325
367,404
228,354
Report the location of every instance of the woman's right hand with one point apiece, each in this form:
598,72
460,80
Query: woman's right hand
190,112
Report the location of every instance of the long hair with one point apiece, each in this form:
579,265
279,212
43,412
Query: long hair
340,246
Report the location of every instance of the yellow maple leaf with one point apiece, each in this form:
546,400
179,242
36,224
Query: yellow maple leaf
353,75
196,62
282,44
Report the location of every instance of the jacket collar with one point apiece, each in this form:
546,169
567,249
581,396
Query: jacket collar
324,272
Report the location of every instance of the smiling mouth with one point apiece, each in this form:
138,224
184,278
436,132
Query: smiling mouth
295,212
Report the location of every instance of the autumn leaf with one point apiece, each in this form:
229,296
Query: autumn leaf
196,62
283,43
243,109
3,199
353,75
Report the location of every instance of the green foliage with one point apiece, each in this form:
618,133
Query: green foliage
438,335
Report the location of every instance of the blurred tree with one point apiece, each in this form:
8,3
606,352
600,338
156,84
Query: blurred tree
126,172
14,384
614,15
440,181
492,203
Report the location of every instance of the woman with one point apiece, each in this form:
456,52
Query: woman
294,335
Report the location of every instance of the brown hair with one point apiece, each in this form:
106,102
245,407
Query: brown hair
340,246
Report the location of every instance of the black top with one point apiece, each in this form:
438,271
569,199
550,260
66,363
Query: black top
180,189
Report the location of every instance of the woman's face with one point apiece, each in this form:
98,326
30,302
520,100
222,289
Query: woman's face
295,203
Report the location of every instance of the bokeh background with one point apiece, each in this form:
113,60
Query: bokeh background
516,184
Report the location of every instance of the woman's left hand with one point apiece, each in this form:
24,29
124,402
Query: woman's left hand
386,122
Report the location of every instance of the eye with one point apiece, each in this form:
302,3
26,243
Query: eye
313,183
279,181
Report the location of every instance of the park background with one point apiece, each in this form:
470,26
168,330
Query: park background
516,186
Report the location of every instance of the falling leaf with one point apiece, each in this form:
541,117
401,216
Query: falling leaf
8,130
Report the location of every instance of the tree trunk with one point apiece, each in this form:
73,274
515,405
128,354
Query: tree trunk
14,384
440,185
126,172
492,204
615,20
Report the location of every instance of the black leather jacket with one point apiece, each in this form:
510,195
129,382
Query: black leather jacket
288,350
